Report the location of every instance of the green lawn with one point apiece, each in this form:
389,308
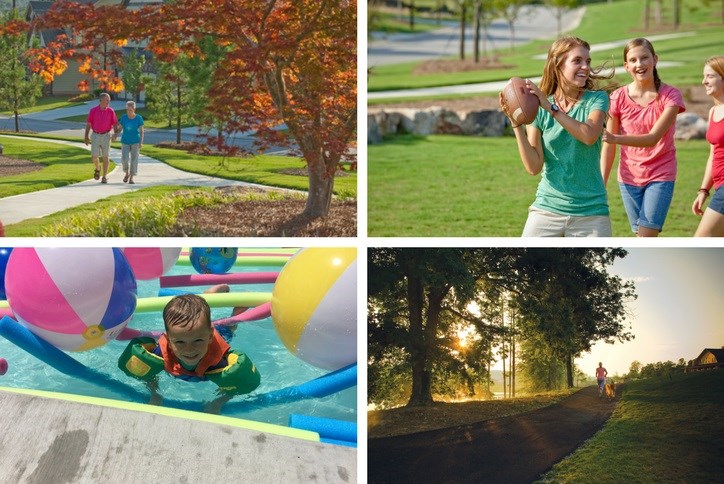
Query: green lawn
603,22
663,430
46,104
63,165
67,164
458,186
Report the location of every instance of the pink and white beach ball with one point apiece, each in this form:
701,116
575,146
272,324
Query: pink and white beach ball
151,262
74,298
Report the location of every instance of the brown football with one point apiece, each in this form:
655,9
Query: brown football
522,105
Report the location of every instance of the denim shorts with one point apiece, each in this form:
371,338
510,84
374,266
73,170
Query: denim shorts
717,200
647,206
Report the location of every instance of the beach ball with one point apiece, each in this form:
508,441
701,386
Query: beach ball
314,306
74,298
151,262
4,256
212,260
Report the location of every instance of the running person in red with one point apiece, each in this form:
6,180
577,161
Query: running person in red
601,373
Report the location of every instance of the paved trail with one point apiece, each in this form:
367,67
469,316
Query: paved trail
515,449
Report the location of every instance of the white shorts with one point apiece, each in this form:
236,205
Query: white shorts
542,223
100,144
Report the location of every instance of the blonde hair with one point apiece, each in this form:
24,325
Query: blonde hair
557,56
716,62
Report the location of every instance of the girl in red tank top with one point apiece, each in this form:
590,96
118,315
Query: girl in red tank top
712,220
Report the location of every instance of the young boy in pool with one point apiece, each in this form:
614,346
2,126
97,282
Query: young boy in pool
190,349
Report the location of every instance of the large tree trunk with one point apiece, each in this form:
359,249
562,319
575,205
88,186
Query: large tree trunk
476,36
321,185
421,382
178,112
463,12
569,371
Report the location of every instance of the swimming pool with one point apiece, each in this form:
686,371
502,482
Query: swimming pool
258,339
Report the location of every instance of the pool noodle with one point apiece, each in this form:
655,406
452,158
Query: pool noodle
258,261
215,300
338,442
242,252
262,311
328,428
322,386
20,336
211,279
319,387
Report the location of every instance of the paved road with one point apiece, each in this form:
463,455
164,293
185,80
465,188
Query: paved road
535,22
514,449
47,122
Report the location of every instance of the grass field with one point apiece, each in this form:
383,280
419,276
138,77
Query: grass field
603,22
67,164
663,430
457,186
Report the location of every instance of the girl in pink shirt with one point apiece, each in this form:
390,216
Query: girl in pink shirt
642,119
712,220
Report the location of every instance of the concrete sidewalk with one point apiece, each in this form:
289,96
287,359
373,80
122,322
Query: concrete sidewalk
151,172
48,439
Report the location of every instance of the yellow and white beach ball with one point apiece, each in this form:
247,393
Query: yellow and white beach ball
314,306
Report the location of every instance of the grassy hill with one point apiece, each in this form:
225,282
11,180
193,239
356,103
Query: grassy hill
663,430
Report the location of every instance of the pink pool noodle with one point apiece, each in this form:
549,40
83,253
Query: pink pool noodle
251,254
253,314
211,279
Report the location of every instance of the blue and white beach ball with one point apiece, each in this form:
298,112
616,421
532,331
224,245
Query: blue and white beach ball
74,298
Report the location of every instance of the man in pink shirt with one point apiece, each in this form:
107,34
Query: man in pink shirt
101,119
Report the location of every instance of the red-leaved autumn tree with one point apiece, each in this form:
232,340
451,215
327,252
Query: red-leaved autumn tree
289,61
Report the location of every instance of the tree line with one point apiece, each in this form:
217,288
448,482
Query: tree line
438,318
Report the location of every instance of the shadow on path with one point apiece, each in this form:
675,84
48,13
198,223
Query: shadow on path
511,449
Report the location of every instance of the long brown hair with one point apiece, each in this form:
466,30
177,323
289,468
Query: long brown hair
641,42
716,62
557,56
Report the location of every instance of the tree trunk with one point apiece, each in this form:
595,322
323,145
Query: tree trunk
321,185
463,12
569,371
421,392
476,36
412,15
178,112
647,13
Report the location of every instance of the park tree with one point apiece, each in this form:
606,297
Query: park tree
19,87
634,369
288,62
568,296
559,8
414,294
132,75
511,10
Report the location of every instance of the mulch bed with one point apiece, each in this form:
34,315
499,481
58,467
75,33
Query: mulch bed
14,166
437,66
267,218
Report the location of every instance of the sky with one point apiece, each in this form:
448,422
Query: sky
679,310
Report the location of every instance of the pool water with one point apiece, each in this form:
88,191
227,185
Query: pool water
258,339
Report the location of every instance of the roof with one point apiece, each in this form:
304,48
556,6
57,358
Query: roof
717,352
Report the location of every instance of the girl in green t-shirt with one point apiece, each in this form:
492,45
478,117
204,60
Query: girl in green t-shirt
564,144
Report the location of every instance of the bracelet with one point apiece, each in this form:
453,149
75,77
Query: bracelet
705,191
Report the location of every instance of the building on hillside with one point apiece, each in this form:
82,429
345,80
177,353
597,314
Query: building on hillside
709,359
67,83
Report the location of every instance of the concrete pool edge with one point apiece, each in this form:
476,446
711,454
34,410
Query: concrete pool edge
171,412
50,435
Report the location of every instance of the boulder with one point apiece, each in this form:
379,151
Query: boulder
690,126
491,122
374,137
